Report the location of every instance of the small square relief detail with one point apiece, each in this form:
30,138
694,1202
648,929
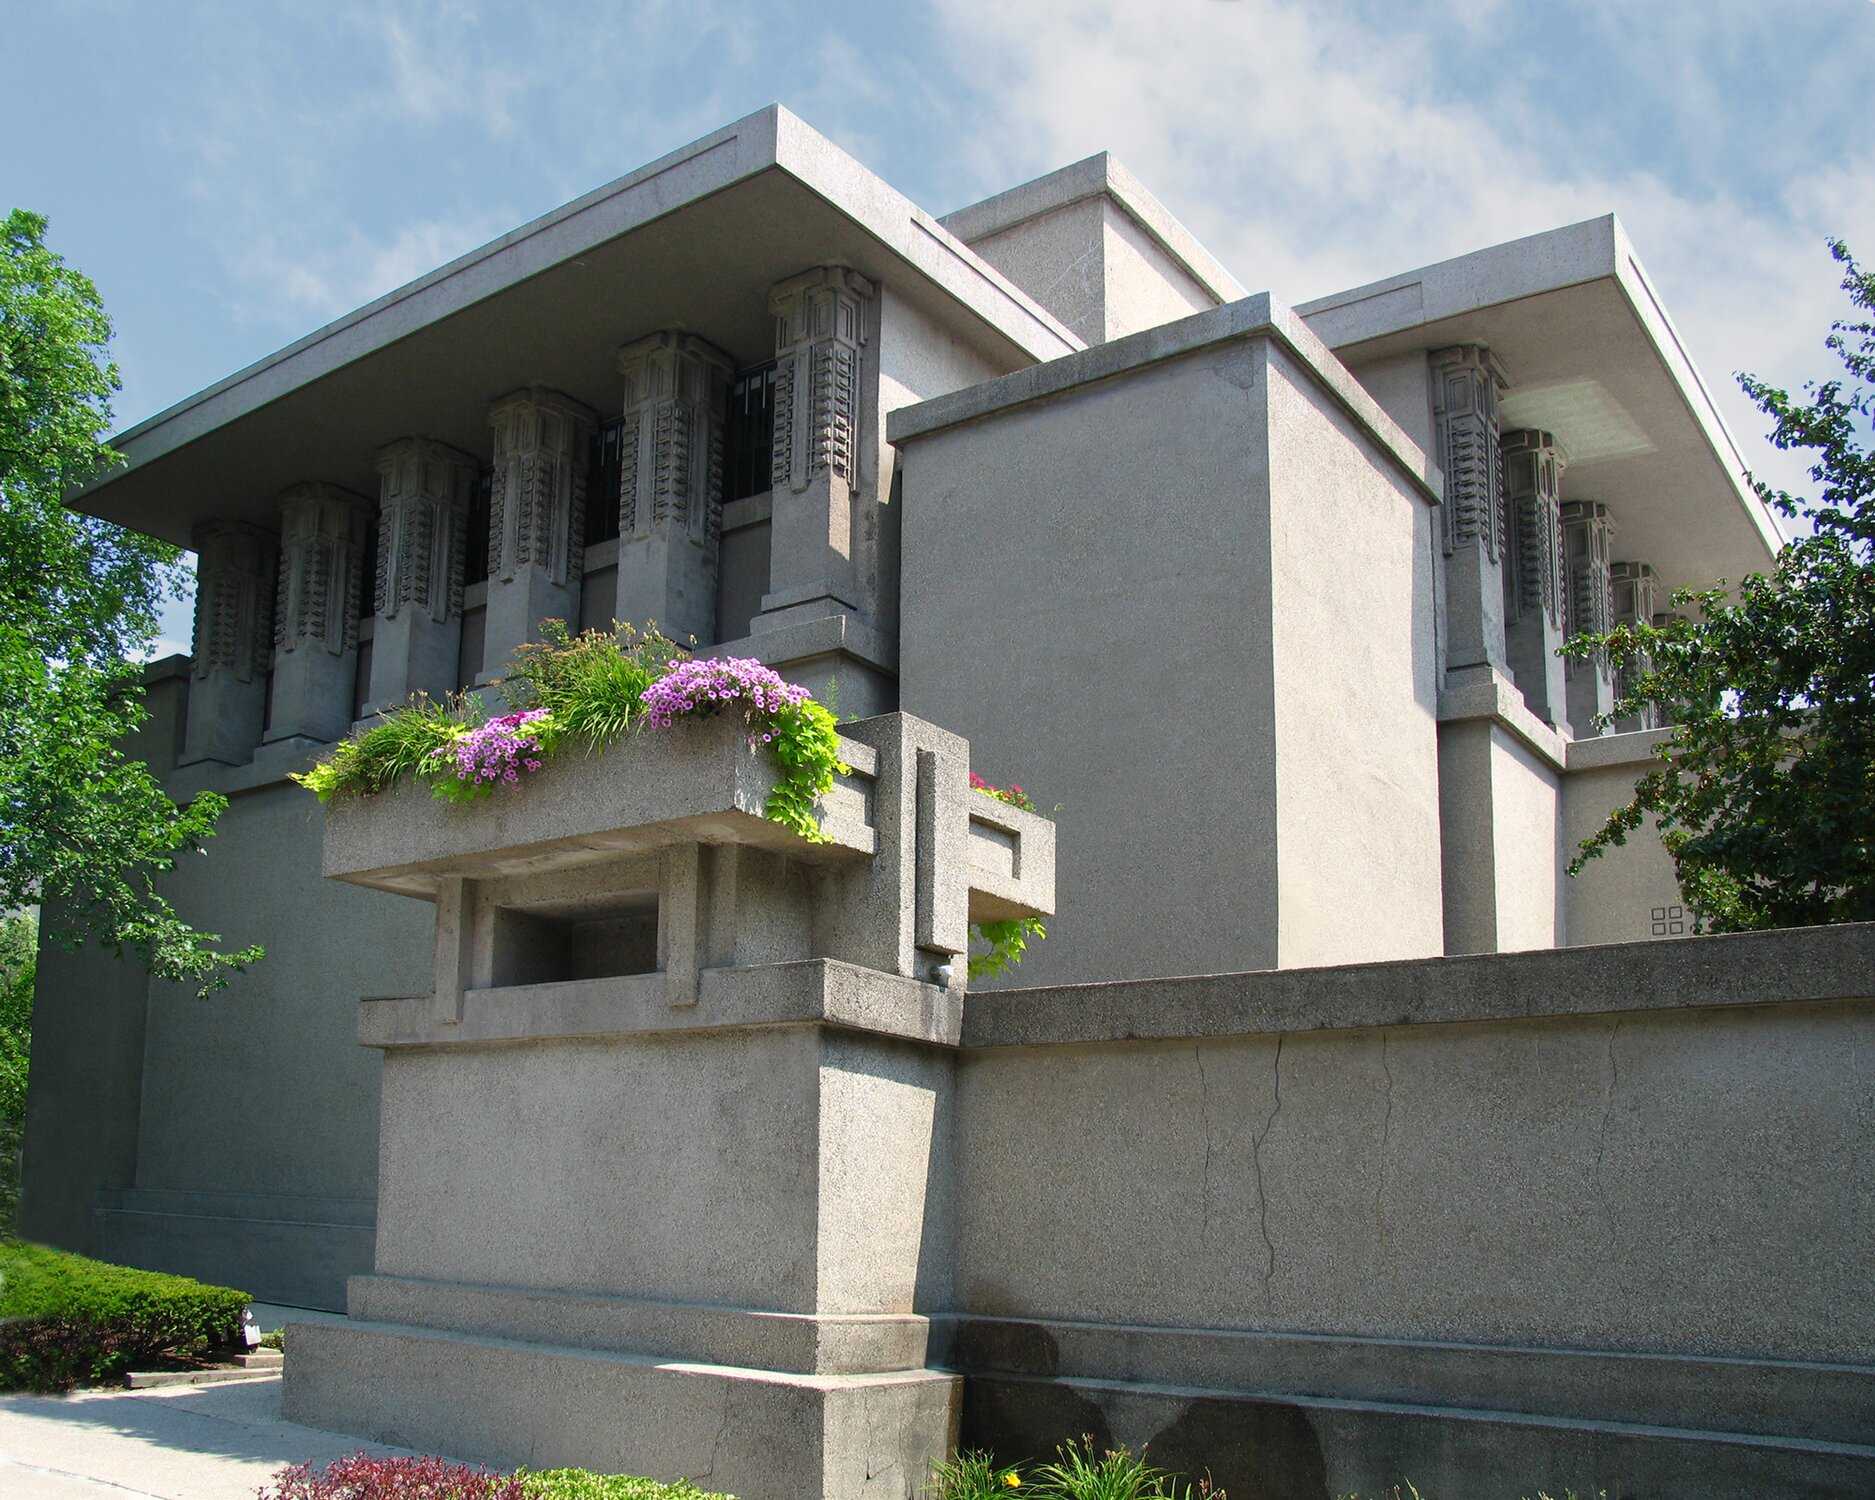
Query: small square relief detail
1669,921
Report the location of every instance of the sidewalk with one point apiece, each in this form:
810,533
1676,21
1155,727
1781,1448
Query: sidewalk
202,1443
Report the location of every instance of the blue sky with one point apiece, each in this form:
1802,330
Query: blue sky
233,175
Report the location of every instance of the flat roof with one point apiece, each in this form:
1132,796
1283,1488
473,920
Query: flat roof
692,241
1593,357
1096,176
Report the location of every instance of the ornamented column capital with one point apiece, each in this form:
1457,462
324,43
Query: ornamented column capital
234,598
1533,470
1533,570
671,457
820,333
323,531
1588,537
1635,591
537,503
1468,380
425,492
234,604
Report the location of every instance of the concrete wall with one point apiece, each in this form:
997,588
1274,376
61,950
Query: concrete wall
1501,811
257,1135
1356,688
1578,1217
1086,600
1630,892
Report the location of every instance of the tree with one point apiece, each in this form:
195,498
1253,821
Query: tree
1765,791
19,958
83,828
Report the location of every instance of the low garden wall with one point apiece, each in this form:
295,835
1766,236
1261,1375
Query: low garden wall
1604,1188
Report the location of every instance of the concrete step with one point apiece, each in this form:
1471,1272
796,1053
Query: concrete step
145,1380
261,1359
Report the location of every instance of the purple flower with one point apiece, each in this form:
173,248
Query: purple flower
499,750
701,687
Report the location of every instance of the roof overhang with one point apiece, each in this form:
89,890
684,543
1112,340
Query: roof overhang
1592,357
692,241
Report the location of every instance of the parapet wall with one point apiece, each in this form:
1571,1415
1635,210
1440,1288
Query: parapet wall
1618,1186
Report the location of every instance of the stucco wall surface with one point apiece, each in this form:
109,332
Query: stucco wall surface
1086,600
1355,688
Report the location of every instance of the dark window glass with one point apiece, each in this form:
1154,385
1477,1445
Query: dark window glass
475,553
602,498
368,590
748,454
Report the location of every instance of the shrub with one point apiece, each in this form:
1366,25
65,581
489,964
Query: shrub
365,1477
66,1319
1117,1474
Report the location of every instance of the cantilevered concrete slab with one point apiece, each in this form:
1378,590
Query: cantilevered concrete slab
1592,357
694,240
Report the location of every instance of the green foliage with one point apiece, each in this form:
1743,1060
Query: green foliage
274,1338
592,683
1007,941
66,1319
578,1484
806,747
1115,1474
402,743
19,958
973,1475
1765,791
83,828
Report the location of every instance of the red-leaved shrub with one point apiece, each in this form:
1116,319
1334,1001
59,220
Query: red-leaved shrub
362,1477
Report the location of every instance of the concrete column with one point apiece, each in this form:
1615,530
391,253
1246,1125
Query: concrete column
424,497
234,596
670,496
1635,591
1533,583
820,345
536,518
323,531
1588,538
1467,381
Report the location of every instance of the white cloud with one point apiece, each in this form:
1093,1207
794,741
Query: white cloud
1311,151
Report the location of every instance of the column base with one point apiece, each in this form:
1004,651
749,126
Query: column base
757,1434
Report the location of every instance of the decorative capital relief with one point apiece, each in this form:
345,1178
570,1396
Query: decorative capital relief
323,531
236,563
671,452
1467,382
820,338
426,491
537,501
1588,541
1533,468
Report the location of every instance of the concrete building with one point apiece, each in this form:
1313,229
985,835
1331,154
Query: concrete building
1266,598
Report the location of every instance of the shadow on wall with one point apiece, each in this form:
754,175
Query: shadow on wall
1249,1448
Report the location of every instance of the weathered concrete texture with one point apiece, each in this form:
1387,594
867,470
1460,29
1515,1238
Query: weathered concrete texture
1142,472
754,1433
1785,1398
1095,248
1301,1447
1499,805
1545,1181
207,1065
276,1247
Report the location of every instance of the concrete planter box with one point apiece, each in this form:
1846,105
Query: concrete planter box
698,782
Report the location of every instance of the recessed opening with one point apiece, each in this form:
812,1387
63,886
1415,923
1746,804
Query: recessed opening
547,946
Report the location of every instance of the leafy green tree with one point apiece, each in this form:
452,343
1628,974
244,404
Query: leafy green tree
19,958
83,828
1765,791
